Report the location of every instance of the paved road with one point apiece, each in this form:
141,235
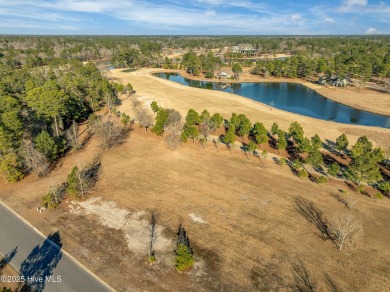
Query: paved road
39,257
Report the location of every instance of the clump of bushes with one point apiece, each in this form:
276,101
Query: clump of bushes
54,197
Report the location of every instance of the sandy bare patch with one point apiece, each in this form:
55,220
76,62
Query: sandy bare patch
134,227
196,218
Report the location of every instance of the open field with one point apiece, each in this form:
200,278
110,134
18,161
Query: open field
241,216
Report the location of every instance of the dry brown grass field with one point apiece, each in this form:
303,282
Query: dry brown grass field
241,216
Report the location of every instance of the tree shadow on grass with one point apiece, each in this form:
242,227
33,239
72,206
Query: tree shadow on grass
7,258
303,280
41,262
314,215
330,146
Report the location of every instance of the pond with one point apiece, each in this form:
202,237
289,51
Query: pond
291,97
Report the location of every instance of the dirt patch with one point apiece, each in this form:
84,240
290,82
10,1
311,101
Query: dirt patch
135,228
196,218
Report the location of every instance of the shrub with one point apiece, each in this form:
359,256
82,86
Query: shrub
209,74
184,255
72,182
125,119
282,161
384,186
334,169
54,197
302,173
184,258
322,179
360,189
379,196
82,180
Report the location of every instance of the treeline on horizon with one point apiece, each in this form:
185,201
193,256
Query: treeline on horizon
362,57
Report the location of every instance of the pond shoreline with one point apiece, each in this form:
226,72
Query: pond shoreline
367,100
292,97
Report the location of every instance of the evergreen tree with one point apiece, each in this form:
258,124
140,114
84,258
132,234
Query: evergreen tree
259,133
204,117
161,119
281,144
192,117
244,126
296,132
191,131
315,158
342,142
364,163
154,106
45,144
229,138
316,142
274,129
334,169
216,121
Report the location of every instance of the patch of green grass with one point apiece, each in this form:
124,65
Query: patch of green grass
129,70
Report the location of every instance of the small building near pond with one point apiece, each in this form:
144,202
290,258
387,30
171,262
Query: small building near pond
224,73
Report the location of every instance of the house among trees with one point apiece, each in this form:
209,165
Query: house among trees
334,81
224,73
247,50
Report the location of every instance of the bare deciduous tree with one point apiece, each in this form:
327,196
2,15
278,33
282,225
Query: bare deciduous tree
144,117
204,129
351,202
34,160
344,226
174,118
173,137
110,99
110,132
54,196
153,237
82,179
135,102
216,142
72,136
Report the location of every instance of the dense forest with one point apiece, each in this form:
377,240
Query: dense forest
351,56
38,107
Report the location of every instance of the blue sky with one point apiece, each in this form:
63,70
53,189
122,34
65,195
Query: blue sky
198,17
